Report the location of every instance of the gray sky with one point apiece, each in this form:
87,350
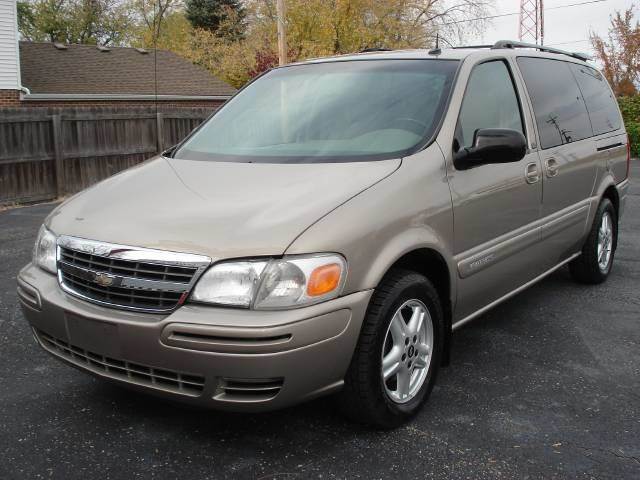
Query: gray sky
571,24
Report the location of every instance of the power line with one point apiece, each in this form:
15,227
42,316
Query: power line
567,43
490,17
572,41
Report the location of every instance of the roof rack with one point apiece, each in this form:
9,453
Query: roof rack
461,47
513,44
375,49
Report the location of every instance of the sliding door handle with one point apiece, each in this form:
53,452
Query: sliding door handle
531,173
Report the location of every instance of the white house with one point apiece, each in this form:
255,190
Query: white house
10,85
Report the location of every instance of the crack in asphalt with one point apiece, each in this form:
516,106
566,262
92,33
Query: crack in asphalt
606,451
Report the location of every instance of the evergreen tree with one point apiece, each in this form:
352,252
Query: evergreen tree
225,18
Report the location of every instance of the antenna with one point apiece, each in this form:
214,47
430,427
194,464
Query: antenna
156,33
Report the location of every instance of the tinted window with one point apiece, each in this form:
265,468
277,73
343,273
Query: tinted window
328,112
560,111
490,101
601,104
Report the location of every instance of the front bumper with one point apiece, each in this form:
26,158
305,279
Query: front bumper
224,358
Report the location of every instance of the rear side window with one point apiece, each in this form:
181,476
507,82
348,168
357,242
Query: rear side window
601,104
561,114
490,101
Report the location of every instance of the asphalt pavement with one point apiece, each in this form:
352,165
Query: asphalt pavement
547,385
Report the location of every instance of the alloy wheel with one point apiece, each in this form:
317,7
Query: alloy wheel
407,351
605,242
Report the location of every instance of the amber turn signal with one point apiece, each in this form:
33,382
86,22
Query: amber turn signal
324,279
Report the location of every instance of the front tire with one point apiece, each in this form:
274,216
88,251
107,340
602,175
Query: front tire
398,354
595,262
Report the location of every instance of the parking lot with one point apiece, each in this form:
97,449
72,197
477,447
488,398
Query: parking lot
547,385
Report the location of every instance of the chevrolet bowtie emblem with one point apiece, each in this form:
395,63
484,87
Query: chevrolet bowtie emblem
103,279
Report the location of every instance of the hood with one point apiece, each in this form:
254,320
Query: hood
218,209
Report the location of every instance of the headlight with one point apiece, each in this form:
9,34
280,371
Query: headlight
44,251
232,283
273,284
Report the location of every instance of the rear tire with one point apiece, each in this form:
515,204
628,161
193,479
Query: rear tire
387,348
594,265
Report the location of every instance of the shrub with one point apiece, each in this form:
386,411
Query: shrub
630,108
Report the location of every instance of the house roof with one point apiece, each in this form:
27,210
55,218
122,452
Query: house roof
55,69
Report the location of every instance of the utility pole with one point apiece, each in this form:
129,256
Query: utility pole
281,12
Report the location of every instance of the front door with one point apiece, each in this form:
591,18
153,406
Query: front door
496,206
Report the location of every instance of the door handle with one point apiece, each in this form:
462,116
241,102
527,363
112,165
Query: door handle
551,166
531,173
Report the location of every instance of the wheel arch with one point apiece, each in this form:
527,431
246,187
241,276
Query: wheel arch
609,191
431,263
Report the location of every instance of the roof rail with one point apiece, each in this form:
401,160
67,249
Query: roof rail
513,44
375,49
472,46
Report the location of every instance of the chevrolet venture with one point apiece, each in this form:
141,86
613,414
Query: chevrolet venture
331,225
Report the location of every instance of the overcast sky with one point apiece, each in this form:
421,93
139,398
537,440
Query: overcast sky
571,24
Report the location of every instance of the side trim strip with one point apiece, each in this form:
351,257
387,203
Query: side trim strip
492,255
483,256
564,222
477,313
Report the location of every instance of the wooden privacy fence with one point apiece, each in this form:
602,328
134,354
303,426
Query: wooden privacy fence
51,152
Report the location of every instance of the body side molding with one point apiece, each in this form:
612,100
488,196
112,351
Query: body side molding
484,309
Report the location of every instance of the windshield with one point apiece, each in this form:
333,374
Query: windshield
328,112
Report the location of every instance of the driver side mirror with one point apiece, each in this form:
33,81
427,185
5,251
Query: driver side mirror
491,145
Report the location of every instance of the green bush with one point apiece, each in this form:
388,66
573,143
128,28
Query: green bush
633,128
630,108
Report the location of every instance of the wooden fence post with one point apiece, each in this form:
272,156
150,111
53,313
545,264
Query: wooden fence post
160,131
59,159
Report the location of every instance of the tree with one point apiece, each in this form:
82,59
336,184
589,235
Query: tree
104,22
222,17
175,33
236,39
620,52
328,27
152,13
157,21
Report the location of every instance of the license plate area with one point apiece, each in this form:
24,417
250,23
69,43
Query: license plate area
95,336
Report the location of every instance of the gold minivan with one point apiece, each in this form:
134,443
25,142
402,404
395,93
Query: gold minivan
331,225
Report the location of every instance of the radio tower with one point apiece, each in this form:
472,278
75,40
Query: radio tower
531,27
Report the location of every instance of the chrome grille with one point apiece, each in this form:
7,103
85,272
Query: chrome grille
148,271
127,277
176,382
125,297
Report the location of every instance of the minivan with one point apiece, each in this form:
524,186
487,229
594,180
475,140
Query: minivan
328,228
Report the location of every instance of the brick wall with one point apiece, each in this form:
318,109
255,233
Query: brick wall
10,98
120,103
